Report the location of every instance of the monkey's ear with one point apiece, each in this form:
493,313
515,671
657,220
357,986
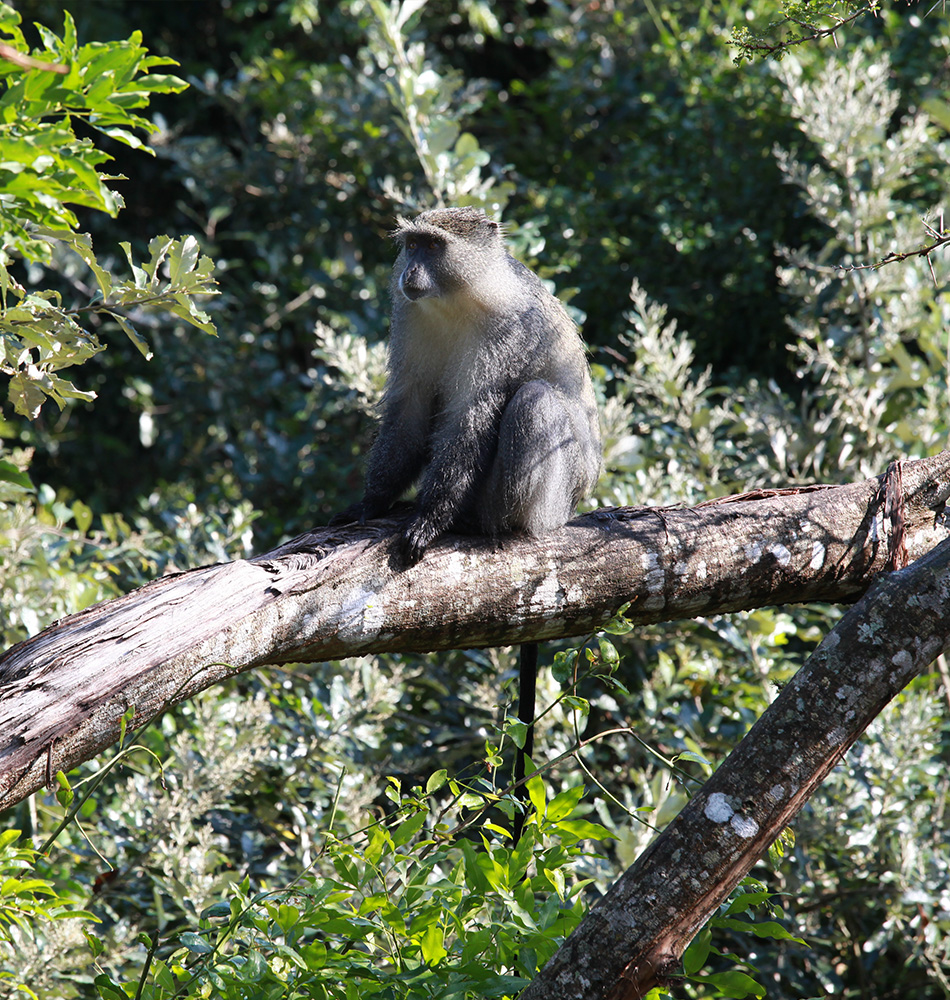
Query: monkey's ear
402,224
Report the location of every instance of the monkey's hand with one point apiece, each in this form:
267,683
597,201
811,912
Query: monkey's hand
358,513
414,539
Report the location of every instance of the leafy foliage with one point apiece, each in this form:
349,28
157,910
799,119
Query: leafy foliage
800,22
409,912
45,168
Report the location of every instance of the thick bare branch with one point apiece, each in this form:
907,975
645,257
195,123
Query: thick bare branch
332,593
636,935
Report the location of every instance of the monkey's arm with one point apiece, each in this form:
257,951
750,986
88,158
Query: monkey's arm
462,448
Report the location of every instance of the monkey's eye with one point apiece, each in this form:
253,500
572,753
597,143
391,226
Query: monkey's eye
433,244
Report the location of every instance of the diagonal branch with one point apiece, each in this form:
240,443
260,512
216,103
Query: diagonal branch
635,936
332,593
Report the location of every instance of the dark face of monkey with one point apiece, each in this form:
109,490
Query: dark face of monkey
423,255
488,402
437,251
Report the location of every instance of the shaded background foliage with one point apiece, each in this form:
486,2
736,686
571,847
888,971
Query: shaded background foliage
693,213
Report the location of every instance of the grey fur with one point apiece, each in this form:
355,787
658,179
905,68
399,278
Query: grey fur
488,397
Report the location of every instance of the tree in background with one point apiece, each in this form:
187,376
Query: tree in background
662,189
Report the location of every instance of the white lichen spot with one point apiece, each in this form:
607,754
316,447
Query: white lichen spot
575,594
360,616
817,556
777,792
868,630
874,669
654,580
549,594
831,640
456,566
782,556
652,572
745,826
753,551
845,693
836,737
718,809
902,659
701,571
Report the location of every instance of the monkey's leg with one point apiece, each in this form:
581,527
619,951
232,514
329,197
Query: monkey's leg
527,688
535,477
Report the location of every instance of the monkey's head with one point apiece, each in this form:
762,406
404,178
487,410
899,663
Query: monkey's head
440,250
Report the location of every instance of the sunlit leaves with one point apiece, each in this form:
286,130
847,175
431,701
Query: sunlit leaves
44,166
39,336
46,171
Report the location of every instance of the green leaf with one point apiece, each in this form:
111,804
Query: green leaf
287,917
694,958
562,668
133,335
696,758
436,780
736,985
8,837
432,943
556,877
107,989
518,731
582,829
536,793
182,258
9,473
762,929
81,243
408,829
564,803
746,900
195,943
220,909
608,652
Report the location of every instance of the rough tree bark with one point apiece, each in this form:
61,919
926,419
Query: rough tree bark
332,593
636,934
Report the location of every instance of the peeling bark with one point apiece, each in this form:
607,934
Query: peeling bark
635,936
332,593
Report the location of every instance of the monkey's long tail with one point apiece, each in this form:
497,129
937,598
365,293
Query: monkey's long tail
527,687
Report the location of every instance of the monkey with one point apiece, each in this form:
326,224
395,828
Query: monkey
488,400
488,403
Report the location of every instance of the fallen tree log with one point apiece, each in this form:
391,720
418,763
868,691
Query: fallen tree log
67,693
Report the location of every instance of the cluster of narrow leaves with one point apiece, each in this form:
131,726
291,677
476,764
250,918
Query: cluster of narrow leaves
46,171
27,900
408,909
41,337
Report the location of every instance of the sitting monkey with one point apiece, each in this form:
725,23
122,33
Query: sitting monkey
488,396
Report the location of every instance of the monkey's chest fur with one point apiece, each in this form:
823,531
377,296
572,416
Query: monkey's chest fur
508,410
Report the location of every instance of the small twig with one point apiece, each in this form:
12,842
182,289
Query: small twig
940,240
21,59
764,48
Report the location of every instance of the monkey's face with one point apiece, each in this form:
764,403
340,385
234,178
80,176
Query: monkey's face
423,266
